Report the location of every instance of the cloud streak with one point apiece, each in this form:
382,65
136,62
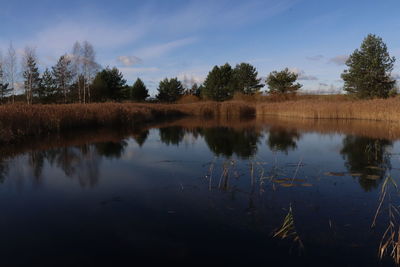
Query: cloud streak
339,60
163,48
129,61
302,76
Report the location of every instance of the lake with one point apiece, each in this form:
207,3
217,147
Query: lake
267,191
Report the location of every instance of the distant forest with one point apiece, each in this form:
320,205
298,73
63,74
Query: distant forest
78,78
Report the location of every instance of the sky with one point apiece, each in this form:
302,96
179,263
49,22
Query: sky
185,39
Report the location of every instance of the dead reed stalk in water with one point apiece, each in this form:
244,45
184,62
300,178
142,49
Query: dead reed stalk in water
288,230
390,242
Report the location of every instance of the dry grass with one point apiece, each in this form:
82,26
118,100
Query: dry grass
186,99
20,121
376,109
390,242
210,109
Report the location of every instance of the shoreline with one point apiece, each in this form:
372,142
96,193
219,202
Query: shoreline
21,121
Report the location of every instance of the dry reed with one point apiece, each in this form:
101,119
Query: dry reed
376,109
18,121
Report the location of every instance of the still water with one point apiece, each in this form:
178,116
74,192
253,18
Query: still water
202,192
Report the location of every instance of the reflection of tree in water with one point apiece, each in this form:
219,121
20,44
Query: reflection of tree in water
227,141
111,149
367,159
282,139
141,137
81,162
3,170
36,162
172,135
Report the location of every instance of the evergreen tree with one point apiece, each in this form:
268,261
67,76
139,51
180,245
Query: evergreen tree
109,84
245,79
138,91
63,74
30,74
170,90
195,90
369,70
218,84
48,88
283,82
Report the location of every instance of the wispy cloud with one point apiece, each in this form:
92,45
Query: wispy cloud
163,48
222,14
339,60
129,61
302,75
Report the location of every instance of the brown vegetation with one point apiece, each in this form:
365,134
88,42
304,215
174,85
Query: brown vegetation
376,109
19,121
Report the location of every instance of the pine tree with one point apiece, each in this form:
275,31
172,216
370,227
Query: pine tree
30,74
283,82
245,79
63,74
170,90
195,90
218,84
138,91
109,84
369,70
48,88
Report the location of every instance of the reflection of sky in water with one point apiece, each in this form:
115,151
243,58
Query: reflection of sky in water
130,189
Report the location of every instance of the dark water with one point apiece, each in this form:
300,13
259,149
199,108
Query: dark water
198,193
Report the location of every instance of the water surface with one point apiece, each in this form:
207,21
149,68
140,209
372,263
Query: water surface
200,192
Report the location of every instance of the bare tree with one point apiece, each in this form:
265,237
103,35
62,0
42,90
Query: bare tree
30,73
77,68
10,67
90,67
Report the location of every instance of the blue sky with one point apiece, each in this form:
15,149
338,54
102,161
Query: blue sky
157,39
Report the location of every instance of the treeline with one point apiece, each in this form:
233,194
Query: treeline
75,78
78,78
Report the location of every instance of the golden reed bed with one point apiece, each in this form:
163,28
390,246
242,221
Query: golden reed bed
377,109
21,121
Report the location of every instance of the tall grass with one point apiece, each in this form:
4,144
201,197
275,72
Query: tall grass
376,109
19,120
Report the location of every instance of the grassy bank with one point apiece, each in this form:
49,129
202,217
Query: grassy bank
376,109
20,121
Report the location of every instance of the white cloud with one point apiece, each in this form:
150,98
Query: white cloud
129,61
396,76
339,60
302,75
